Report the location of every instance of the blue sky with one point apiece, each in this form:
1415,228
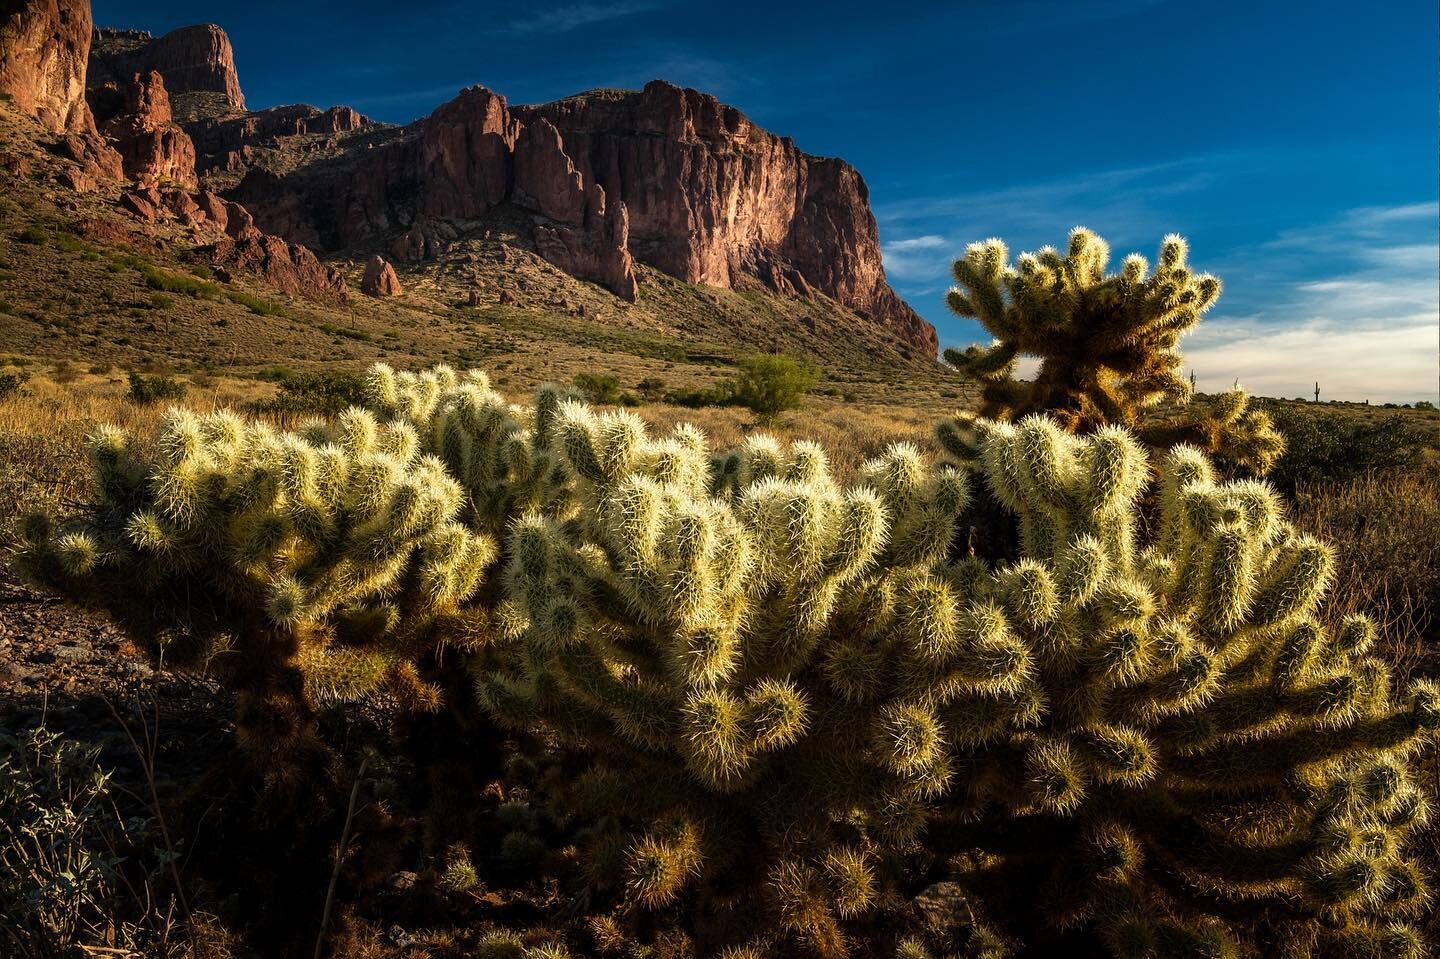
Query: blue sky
1293,142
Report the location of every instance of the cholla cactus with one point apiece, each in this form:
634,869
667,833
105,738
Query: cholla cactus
755,659
325,560
500,453
1228,427
1108,344
1193,755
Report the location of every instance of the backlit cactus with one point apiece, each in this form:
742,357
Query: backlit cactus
316,565
1194,758
1108,343
499,453
753,657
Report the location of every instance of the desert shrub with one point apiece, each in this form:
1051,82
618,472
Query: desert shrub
721,394
62,848
1424,405
255,304
771,384
327,393
1108,343
158,279
12,383
1192,758
321,565
1330,447
598,387
147,390
651,388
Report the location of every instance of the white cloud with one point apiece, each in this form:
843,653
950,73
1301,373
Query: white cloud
917,258
1393,363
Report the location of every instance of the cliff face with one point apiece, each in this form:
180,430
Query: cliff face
197,62
138,122
711,196
44,45
669,177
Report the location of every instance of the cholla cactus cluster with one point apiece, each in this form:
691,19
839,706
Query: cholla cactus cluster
501,454
747,652
321,563
1191,741
781,703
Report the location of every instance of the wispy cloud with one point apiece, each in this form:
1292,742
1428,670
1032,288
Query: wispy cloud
1124,205
1364,323
913,258
574,16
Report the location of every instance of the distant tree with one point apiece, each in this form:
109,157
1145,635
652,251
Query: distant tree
770,384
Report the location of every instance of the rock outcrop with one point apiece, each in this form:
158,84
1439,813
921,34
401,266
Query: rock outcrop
380,278
669,177
227,234
44,47
153,148
711,196
228,142
197,62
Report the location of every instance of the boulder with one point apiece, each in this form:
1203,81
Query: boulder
380,278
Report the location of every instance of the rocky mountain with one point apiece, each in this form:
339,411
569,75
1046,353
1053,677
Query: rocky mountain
197,62
628,190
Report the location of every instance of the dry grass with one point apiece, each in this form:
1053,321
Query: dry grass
1384,527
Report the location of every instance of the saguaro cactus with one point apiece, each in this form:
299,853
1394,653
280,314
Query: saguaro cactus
317,565
752,656
1196,758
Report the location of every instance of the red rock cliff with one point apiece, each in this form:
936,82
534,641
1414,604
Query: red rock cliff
44,45
669,177
711,196
197,62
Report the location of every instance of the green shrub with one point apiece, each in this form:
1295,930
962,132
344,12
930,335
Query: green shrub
158,279
327,393
772,384
1424,405
255,304
146,390
598,388
721,394
32,235
651,388
12,383
1323,446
